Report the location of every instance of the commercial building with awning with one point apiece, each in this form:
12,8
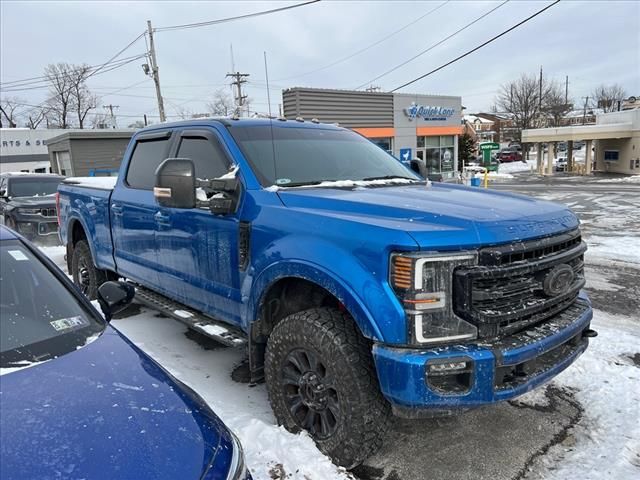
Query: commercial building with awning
616,137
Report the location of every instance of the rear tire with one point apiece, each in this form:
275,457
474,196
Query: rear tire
85,275
321,378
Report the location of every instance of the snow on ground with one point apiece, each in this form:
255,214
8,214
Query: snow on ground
514,167
244,409
606,442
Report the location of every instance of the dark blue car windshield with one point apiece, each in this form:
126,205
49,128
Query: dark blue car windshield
290,156
39,318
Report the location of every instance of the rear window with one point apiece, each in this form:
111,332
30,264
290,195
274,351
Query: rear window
32,187
146,158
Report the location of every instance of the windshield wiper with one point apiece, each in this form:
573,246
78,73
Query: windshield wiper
390,177
302,184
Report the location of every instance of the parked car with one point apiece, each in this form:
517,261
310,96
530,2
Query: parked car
560,164
562,146
358,289
28,204
509,154
578,144
78,400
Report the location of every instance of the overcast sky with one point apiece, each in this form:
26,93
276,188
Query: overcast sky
592,42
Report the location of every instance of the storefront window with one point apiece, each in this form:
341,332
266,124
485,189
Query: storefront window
384,143
438,153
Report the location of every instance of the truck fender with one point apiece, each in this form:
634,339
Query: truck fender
322,277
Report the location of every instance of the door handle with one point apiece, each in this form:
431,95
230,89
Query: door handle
116,209
162,219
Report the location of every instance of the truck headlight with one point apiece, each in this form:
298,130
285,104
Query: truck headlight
29,211
422,283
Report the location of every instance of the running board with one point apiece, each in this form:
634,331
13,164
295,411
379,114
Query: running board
214,329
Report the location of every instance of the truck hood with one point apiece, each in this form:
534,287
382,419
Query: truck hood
440,215
45,201
104,411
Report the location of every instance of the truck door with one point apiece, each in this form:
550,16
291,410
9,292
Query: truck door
198,250
133,211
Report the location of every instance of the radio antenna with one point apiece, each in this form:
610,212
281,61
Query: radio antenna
273,143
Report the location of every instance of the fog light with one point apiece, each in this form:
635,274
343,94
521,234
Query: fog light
444,368
450,377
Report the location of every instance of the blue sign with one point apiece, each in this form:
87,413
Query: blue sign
405,156
428,112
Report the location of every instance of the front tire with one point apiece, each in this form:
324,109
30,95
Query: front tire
321,378
85,275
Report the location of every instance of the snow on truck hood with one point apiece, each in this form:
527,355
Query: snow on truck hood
103,411
440,215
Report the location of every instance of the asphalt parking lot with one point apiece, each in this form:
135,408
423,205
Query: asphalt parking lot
510,441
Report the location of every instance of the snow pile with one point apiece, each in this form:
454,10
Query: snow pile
631,179
103,183
513,167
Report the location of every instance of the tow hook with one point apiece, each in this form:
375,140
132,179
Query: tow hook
589,333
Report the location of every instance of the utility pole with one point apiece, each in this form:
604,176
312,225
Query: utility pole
566,90
584,112
540,94
154,71
110,107
239,80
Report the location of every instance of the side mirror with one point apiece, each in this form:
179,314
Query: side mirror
225,200
114,297
176,183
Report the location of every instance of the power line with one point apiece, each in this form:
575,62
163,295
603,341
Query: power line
231,19
34,80
431,47
477,48
45,84
368,47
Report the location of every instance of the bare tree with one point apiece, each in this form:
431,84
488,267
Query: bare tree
69,93
83,101
522,98
60,79
10,110
36,116
607,97
221,103
555,106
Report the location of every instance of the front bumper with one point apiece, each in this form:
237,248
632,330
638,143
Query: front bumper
498,370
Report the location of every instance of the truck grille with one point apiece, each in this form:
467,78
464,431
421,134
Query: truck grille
518,285
48,212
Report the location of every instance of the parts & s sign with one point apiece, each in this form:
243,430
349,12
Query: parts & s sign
428,113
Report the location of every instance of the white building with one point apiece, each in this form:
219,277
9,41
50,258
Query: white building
25,150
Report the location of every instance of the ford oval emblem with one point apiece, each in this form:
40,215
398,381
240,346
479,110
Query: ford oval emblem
558,280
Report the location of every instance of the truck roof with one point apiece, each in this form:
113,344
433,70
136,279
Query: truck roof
245,122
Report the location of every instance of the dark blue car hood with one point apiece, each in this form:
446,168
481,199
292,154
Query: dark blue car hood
104,411
440,215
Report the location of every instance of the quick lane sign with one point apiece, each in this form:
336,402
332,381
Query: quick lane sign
428,113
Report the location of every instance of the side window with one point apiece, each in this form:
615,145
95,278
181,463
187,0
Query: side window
147,155
208,157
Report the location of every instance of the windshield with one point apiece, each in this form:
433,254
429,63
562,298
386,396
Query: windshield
32,187
307,156
39,318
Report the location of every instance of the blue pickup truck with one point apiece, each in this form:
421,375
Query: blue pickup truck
359,289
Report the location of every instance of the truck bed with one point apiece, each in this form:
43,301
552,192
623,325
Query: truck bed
86,200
